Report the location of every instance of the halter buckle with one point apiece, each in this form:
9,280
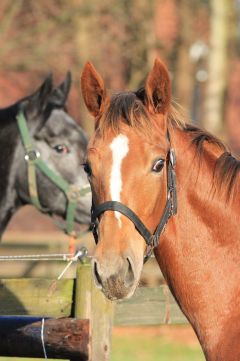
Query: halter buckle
172,157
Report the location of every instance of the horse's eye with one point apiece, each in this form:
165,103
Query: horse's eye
61,148
158,166
87,169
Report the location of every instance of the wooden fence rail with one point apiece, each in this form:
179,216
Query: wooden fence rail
51,298
36,337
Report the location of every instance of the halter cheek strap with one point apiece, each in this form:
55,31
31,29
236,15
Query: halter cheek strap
152,240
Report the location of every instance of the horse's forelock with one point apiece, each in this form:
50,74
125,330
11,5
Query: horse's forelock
129,107
125,107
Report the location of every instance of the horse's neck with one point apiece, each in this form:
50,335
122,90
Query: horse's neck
9,137
201,243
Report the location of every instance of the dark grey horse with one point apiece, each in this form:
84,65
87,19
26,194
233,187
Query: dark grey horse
61,143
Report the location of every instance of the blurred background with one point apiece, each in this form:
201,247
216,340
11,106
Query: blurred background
198,39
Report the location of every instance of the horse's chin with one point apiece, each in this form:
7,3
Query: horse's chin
83,214
83,218
118,292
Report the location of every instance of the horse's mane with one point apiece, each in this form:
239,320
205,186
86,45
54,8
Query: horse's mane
129,107
227,167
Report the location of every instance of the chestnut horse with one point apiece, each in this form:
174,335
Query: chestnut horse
140,141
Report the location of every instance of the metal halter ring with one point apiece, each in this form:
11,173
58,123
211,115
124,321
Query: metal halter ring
32,155
73,193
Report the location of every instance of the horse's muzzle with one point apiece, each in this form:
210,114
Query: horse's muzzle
118,280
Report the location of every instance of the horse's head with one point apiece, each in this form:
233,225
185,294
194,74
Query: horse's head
62,144
126,162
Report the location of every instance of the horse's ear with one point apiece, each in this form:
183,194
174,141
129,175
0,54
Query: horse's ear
37,103
59,95
158,88
93,90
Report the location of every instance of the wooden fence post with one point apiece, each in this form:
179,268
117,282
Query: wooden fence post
91,304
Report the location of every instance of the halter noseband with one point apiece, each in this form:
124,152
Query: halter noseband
170,209
34,160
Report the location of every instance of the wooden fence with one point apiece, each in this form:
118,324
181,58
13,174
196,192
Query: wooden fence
74,300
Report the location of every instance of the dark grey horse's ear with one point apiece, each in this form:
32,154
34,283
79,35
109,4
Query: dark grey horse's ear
59,95
36,103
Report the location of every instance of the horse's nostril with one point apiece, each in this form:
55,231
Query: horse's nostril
96,275
129,277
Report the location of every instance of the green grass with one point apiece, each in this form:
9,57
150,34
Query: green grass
152,348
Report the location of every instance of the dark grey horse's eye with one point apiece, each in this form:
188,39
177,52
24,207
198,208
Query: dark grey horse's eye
158,166
87,169
61,148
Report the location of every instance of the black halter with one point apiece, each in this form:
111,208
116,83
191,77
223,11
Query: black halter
170,209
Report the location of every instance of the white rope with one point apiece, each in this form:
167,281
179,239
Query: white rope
50,257
38,257
42,339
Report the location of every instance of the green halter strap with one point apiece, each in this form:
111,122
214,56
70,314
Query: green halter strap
72,192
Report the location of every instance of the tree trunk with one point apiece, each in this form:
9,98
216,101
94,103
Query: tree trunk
217,66
184,70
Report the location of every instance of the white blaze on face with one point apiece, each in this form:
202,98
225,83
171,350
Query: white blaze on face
119,147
